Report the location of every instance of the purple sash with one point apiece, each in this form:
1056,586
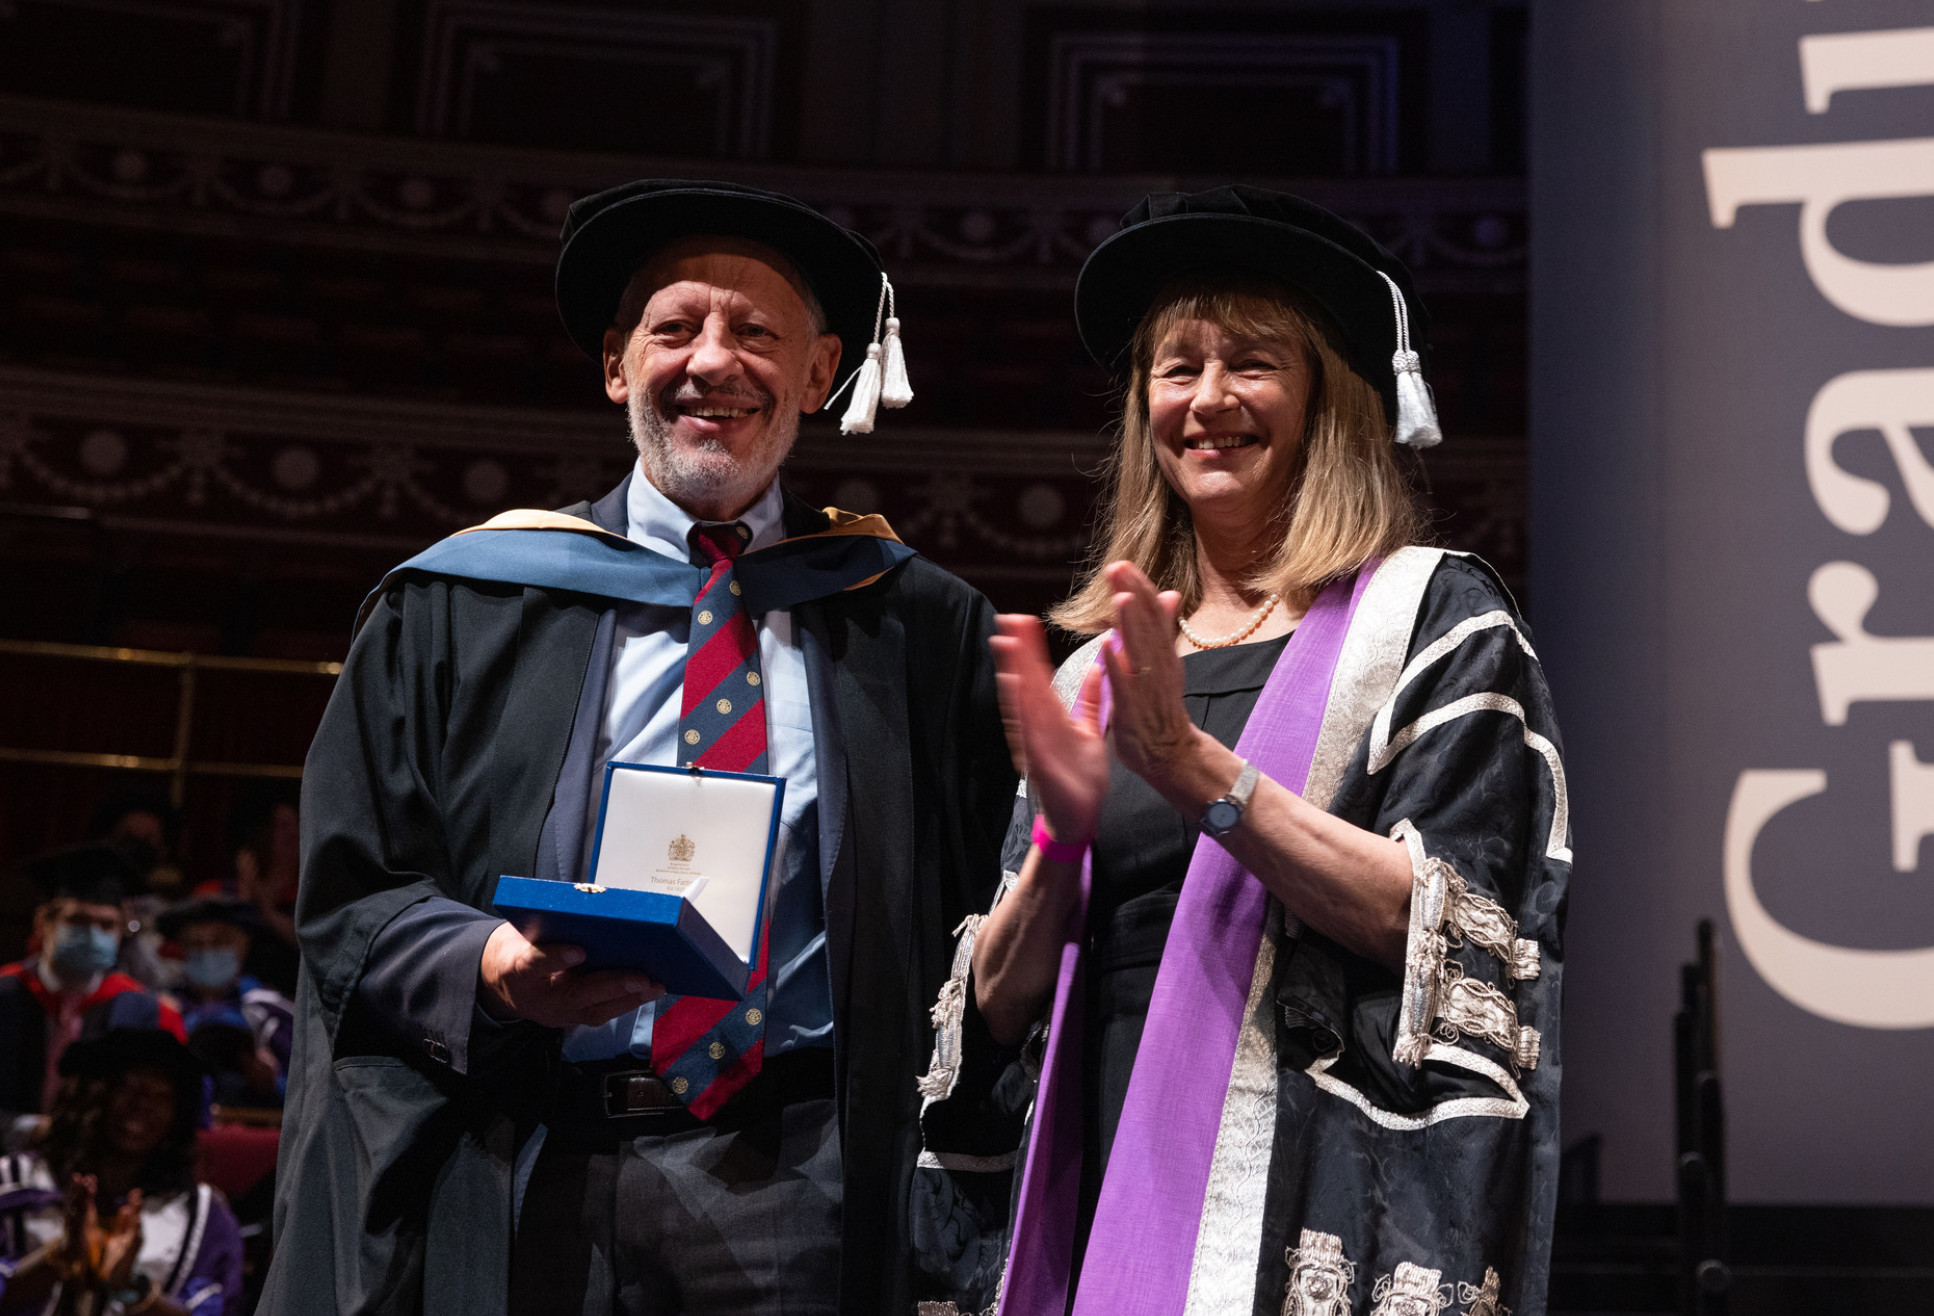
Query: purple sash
1142,1246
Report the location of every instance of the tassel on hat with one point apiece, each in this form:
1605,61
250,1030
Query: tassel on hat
881,380
1416,412
866,395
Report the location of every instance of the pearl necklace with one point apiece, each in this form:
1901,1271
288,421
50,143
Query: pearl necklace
1268,604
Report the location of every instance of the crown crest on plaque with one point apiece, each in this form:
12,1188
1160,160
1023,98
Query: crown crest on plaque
682,849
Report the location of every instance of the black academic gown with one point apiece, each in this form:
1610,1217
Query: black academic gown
445,747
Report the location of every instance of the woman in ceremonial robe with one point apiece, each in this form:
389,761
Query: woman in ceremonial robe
1265,1016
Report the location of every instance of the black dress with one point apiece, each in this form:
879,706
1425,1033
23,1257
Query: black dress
1141,854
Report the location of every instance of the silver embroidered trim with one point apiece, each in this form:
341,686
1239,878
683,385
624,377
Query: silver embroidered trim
932,1160
1385,745
1370,664
949,1013
1411,1291
1524,962
1069,675
1439,1002
1467,1007
1482,922
1425,948
1482,1300
1228,1241
953,1309
1512,1106
1320,1277
950,1010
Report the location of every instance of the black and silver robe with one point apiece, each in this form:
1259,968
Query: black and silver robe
1388,1144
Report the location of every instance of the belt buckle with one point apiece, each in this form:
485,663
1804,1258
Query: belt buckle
634,1092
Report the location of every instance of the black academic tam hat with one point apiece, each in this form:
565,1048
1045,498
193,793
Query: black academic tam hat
208,909
94,873
609,234
115,1052
1241,230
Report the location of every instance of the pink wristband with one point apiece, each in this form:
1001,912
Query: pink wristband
1060,852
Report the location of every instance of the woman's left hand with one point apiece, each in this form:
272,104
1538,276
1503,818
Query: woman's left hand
1153,736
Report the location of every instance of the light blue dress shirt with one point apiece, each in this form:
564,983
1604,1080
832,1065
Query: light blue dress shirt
640,725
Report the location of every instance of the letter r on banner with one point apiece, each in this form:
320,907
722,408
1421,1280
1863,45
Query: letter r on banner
1857,665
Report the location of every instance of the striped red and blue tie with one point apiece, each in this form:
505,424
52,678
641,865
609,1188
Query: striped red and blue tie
706,1050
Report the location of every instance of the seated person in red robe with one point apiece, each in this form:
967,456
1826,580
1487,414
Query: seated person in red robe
68,987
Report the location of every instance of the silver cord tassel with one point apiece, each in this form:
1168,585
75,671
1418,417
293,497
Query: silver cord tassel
896,390
1416,411
866,395
881,380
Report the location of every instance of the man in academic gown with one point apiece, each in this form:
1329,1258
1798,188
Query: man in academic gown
473,1123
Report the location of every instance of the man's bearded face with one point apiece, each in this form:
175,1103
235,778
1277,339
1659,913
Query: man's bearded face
716,371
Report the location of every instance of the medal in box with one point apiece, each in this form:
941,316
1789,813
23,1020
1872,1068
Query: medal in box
678,880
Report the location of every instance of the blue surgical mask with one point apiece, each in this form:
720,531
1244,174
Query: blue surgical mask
212,966
82,952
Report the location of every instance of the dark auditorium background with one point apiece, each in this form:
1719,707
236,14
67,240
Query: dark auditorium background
276,312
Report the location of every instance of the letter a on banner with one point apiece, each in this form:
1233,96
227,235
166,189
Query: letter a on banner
1891,401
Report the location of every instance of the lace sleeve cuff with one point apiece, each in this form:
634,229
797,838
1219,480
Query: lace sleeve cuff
1440,1003
950,1010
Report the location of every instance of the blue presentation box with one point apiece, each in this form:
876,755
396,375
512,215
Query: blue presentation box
679,875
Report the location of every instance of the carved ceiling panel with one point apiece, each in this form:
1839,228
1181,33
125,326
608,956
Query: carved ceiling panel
227,57
1306,94
675,84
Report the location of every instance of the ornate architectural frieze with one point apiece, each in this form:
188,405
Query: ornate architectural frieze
304,186
199,459
221,460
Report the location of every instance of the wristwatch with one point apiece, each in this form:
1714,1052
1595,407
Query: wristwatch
1225,815
140,1288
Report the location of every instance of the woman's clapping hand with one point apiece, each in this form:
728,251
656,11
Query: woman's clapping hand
1151,730
1061,752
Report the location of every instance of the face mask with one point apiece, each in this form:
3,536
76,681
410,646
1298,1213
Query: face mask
212,967
81,953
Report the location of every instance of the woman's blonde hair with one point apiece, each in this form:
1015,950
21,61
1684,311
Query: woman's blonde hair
1348,499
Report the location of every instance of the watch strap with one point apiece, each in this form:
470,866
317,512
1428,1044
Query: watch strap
1245,787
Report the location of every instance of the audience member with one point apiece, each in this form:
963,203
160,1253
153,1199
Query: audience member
240,1029
67,987
120,1147
145,827
266,831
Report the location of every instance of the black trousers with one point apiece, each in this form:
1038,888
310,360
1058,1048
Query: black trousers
739,1217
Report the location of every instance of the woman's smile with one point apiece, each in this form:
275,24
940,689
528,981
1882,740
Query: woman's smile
1208,445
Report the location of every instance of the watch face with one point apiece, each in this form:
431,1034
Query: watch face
1220,817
